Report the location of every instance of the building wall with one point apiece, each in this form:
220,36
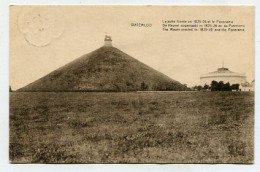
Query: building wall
231,80
246,88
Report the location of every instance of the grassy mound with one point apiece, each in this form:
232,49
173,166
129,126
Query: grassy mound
105,69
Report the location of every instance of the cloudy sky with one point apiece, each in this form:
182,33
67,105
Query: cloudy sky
43,39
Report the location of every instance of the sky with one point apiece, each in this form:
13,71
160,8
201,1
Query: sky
44,38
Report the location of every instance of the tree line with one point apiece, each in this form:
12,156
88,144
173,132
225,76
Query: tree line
217,86
170,86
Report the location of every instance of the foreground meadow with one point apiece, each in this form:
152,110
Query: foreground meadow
137,127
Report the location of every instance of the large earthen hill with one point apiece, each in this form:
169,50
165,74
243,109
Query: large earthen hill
105,69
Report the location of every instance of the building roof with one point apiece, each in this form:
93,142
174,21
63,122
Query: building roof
247,84
224,72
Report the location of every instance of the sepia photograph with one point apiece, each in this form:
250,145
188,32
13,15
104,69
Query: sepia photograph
125,84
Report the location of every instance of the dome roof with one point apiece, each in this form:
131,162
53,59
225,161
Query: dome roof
223,72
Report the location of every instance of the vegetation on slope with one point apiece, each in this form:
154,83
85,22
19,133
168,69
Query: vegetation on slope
105,69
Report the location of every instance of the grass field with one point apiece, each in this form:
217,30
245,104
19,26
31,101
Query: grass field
137,127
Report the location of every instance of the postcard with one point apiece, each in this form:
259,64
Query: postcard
131,84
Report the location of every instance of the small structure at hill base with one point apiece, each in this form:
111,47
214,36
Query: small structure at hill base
247,86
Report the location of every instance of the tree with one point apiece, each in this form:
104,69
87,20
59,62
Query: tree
144,86
206,87
235,87
214,86
227,87
221,86
199,87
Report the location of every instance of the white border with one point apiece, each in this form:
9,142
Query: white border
4,88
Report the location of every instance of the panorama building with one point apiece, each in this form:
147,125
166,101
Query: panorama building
223,74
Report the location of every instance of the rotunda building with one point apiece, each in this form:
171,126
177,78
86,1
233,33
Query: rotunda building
223,74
